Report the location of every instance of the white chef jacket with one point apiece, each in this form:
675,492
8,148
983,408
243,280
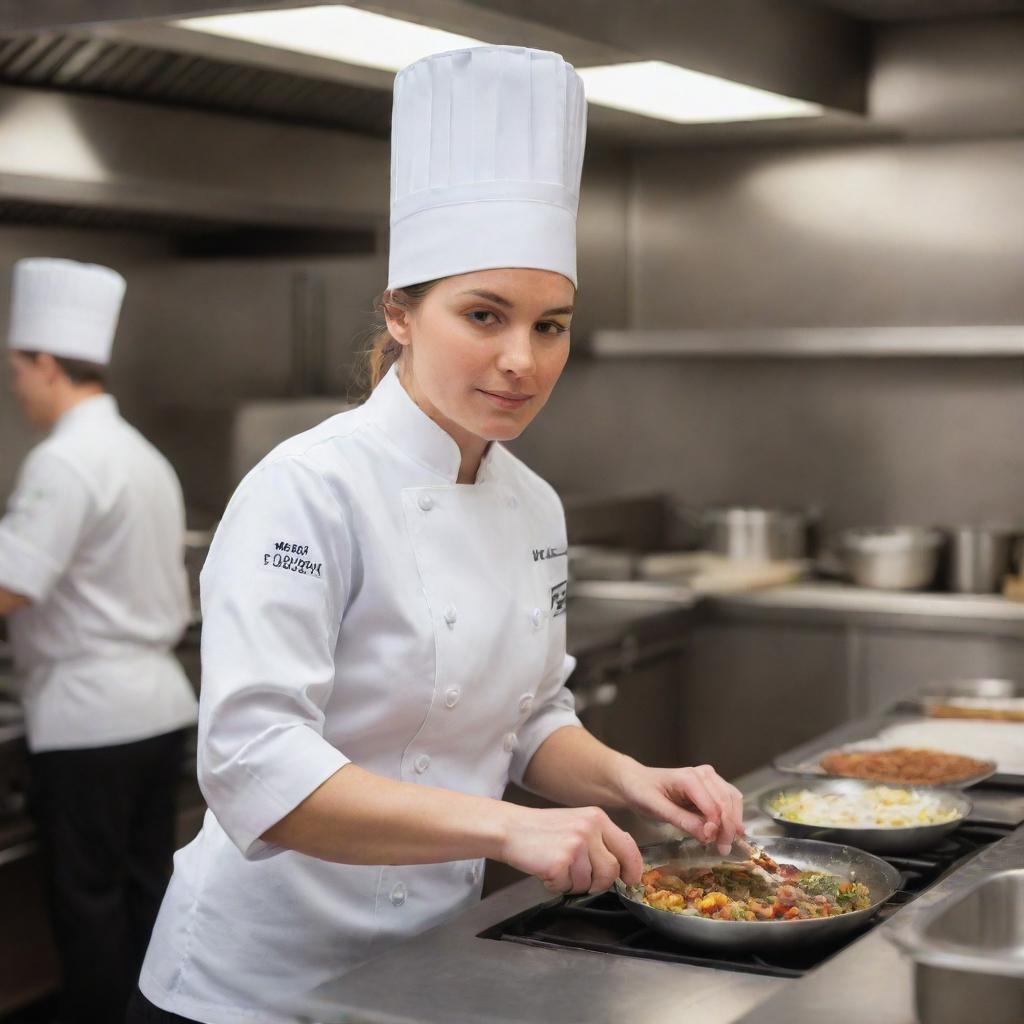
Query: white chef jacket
358,605
94,536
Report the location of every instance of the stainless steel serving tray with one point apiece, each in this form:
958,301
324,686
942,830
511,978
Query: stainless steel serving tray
886,841
984,692
805,760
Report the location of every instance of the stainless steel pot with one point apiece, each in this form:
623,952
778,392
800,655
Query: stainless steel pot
890,841
759,936
757,534
979,558
891,558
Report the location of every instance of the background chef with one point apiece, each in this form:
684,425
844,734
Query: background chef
93,582
381,650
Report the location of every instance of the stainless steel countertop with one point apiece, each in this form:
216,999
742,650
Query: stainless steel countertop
450,976
840,603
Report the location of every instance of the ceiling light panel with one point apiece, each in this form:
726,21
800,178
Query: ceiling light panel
671,93
352,36
336,32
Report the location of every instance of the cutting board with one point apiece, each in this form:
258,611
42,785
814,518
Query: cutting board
708,573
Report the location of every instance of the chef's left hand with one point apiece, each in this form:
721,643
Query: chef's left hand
696,800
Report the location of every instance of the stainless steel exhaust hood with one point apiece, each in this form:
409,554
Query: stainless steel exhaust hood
91,153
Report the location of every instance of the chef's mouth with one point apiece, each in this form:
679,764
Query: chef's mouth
507,399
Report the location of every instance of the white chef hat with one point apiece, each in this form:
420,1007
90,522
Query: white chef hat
486,156
65,308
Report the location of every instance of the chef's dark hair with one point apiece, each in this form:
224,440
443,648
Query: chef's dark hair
384,351
79,371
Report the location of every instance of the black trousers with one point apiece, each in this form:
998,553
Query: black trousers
142,1011
106,817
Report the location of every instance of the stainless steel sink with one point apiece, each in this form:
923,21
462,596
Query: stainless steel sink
969,953
990,919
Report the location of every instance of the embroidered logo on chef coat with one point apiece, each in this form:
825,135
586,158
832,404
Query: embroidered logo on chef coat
559,596
290,557
544,554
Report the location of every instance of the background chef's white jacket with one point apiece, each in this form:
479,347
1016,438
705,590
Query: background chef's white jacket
359,605
94,536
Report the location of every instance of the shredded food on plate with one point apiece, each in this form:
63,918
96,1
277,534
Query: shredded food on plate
737,892
877,807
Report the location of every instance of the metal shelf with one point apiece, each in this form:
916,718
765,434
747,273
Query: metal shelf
813,342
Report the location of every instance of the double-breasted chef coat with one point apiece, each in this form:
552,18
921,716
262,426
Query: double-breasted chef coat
94,536
358,605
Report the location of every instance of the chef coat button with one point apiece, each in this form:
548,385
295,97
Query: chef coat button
398,895
510,742
425,502
512,501
526,703
537,617
450,615
421,764
451,696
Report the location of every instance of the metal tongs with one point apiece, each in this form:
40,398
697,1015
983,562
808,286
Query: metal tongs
767,867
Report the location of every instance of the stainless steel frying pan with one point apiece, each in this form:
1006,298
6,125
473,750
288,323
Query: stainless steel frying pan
765,936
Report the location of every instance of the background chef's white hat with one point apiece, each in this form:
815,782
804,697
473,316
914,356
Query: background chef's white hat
486,155
65,308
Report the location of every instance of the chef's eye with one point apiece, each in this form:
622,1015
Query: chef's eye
477,313
553,327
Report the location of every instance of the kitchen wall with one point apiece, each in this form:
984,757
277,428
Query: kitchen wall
925,229
223,331
199,335
919,233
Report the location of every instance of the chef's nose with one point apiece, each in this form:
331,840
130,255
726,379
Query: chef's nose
516,355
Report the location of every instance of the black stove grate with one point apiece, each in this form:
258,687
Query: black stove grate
602,925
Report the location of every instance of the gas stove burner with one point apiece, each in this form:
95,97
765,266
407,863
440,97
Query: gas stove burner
602,925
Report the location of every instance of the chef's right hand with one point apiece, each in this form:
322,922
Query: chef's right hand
577,849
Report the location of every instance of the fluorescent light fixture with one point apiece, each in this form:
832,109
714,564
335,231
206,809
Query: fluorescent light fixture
337,32
671,93
353,36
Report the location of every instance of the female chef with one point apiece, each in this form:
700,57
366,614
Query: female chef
383,605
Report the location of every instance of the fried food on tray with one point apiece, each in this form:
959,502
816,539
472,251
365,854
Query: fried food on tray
1010,710
734,892
909,765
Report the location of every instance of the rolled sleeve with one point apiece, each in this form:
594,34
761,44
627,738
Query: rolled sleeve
555,708
273,593
42,528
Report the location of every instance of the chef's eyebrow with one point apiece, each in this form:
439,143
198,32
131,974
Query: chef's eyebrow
500,300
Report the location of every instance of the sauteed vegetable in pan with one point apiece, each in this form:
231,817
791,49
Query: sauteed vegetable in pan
793,873
738,892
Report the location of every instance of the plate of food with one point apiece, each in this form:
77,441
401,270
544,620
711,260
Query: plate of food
885,819
992,700
821,891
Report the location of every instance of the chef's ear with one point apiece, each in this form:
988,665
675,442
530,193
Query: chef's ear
396,316
49,367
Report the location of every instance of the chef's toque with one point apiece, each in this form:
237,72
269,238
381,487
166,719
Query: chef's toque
65,308
486,155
